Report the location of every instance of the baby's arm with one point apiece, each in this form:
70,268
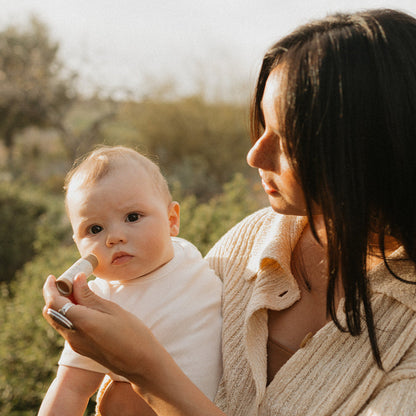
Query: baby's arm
70,391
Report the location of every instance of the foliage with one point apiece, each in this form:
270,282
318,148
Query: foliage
43,156
32,221
204,223
18,227
53,227
40,160
33,90
29,347
82,128
198,143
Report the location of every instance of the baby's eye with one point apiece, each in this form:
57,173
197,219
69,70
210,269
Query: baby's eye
133,217
95,229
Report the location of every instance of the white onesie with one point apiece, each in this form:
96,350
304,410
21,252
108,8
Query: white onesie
181,304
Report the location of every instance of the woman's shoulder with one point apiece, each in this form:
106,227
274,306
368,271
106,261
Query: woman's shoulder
402,285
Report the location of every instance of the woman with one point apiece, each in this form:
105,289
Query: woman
319,302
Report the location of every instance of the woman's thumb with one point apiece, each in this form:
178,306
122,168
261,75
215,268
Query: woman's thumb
82,293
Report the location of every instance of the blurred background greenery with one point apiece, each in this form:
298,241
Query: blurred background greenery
45,123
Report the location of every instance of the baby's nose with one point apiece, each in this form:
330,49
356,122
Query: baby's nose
115,238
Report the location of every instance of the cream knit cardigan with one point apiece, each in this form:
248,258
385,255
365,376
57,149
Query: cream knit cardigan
335,373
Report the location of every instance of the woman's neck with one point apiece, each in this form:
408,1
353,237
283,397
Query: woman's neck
309,259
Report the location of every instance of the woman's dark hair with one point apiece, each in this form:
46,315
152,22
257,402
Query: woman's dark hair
348,119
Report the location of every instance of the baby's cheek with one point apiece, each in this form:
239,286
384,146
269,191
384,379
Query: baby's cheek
83,248
100,270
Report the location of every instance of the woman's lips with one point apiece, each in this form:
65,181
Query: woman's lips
270,190
121,258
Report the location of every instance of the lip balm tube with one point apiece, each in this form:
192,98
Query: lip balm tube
85,265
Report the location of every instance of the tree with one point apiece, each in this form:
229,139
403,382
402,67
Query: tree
80,137
33,89
199,143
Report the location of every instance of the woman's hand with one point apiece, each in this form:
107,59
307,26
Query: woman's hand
103,330
118,340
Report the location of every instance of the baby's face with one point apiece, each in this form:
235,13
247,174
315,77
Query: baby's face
125,222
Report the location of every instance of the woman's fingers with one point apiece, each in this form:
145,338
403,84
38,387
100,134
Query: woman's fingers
103,330
53,299
65,313
83,295
97,323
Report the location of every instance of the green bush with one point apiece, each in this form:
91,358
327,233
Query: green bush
29,347
19,218
204,223
199,143
31,222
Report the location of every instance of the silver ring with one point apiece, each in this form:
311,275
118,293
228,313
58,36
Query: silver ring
63,311
60,319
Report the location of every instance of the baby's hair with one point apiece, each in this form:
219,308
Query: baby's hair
93,166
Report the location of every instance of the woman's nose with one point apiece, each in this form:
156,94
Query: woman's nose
263,155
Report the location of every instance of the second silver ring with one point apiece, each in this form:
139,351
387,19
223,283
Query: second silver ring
66,308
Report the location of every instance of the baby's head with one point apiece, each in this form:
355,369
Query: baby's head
104,160
121,210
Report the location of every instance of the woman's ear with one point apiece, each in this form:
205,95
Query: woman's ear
174,218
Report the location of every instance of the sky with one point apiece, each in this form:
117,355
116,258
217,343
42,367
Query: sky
136,46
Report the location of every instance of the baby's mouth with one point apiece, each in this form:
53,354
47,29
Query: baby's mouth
121,258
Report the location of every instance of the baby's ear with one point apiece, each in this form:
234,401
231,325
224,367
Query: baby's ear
174,218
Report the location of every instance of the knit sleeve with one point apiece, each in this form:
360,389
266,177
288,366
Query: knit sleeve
397,395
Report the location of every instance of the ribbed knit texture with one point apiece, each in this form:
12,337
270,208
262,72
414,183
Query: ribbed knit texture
334,373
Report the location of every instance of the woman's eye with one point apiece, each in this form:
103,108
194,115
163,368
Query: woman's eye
133,217
95,229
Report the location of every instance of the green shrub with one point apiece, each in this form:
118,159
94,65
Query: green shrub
204,223
197,142
18,225
32,222
29,347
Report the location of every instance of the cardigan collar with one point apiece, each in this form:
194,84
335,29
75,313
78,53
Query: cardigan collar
289,229
277,243
274,287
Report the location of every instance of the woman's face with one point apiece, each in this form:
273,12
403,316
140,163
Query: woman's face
267,155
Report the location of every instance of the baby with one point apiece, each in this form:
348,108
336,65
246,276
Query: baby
121,211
